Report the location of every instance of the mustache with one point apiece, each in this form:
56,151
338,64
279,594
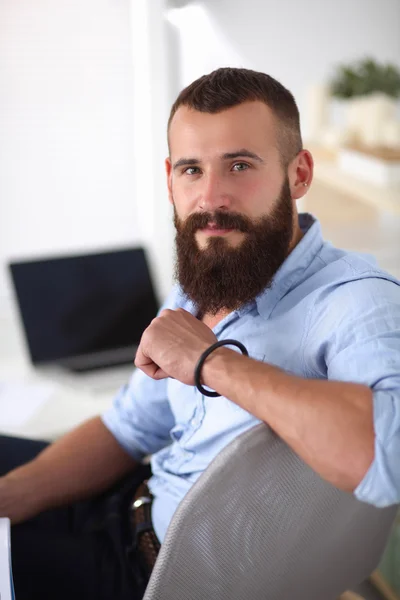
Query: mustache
221,219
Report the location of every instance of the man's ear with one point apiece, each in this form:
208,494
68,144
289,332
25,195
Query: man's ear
168,170
300,173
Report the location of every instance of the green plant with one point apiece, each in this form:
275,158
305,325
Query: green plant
365,77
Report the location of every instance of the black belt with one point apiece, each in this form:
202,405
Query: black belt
145,539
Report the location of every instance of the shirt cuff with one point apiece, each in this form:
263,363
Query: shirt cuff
114,428
381,483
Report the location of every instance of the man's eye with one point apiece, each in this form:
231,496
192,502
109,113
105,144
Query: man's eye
240,166
191,170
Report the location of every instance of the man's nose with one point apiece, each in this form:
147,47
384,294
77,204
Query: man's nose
214,195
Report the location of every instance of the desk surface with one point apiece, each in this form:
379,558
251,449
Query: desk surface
75,397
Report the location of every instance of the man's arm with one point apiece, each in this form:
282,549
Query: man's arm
329,424
93,456
82,463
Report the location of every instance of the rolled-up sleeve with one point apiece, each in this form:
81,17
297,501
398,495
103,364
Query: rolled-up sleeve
362,345
141,418
381,484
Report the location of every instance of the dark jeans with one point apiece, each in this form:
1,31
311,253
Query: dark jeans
77,552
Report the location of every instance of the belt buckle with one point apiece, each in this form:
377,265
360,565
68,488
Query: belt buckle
141,501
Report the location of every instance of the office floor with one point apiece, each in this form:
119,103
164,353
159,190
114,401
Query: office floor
363,592
367,591
353,225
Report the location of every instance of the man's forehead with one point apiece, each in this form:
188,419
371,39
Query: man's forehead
253,110
250,124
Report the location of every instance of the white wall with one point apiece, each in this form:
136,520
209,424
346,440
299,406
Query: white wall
66,115
156,84
299,43
86,87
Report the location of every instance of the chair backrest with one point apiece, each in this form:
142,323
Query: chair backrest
260,524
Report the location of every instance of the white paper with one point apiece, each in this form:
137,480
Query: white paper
6,585
20,401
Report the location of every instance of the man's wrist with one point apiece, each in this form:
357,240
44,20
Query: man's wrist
217,365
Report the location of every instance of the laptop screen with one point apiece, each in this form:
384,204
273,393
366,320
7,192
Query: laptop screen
77,305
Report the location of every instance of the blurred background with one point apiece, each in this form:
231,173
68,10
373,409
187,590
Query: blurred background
85,92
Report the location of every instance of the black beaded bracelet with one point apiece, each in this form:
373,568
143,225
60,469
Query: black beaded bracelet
206,353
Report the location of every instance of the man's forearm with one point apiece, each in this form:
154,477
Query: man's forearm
329,424
80,464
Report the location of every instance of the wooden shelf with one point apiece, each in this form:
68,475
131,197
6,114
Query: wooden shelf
382,198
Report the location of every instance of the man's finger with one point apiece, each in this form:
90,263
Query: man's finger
148,366
160,374
141,359
152,370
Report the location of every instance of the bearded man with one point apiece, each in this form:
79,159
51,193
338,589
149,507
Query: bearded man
321,327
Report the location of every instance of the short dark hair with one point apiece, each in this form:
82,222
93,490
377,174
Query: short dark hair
228,87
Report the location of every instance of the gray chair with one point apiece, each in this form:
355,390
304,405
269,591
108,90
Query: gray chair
259,524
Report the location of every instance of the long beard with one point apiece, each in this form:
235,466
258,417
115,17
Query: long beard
221,277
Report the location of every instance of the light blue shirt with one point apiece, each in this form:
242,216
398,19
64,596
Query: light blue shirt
330,314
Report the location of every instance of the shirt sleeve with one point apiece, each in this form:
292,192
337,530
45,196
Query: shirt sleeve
362,345
141,417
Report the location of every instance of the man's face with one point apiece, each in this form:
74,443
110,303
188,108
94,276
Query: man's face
232,203
227,161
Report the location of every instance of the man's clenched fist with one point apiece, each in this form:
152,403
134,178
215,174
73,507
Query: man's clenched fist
172,345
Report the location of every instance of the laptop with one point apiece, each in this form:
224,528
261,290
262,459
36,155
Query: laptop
85,312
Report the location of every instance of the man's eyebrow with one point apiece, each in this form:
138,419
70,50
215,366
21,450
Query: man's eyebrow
242,153
185,162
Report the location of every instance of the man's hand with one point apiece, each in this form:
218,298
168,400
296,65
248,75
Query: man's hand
172,345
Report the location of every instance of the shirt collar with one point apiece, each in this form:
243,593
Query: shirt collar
287,275
292,269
